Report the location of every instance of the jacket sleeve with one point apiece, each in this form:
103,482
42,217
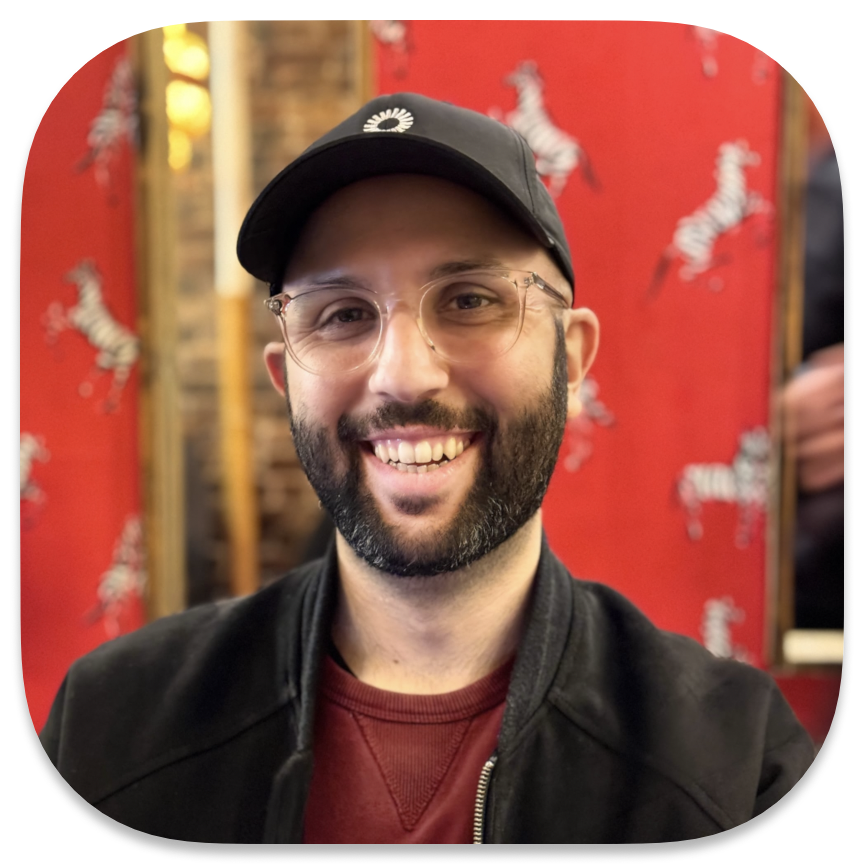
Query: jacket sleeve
788,753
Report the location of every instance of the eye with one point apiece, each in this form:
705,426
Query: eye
349,316
467,296
469,301
323,309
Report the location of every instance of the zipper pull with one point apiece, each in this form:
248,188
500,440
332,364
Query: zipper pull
480,801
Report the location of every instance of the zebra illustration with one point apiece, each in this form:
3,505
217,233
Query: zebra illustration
761,67
117,348
580,429
32,449
116,122
557,154
717,619
707,39
395,37
123,581
743,482
732,202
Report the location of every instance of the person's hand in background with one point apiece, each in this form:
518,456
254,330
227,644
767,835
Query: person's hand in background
813,406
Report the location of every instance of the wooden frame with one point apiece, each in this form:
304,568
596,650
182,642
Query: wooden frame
161,433
232,195
790,648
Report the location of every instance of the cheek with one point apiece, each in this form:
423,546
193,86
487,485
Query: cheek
527,367
318,399
514,382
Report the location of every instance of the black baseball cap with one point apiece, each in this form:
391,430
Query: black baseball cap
404,133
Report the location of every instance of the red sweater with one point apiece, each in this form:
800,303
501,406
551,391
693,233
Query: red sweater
399,768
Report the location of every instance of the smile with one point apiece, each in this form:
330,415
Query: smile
423,455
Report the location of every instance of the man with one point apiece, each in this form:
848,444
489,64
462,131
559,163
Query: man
438,677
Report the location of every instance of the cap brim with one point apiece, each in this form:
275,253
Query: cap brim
273,224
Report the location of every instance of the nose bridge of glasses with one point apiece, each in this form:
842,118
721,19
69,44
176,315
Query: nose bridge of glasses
393,302
401,316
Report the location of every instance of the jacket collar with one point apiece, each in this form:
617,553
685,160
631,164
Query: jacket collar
538,658
537,661
307,643
549,620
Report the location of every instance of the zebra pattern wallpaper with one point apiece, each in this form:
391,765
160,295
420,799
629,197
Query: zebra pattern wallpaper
82,551
659,144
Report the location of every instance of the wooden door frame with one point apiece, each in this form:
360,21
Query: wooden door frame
161,432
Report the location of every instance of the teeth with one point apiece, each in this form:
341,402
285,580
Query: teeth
423,452
420,457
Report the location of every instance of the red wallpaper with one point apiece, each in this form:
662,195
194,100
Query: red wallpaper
637,126
654,493
81,551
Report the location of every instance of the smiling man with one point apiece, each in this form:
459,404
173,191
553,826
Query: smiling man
439,677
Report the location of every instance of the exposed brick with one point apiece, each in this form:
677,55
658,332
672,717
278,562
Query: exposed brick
302,78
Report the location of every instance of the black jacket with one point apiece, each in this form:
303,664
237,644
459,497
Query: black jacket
199,726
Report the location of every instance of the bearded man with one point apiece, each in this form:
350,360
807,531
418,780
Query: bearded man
439,677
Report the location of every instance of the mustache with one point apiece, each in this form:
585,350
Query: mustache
426,413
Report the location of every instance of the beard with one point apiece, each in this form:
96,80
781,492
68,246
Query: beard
516,466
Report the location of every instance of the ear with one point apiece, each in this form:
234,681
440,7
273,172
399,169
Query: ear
274,360
582,337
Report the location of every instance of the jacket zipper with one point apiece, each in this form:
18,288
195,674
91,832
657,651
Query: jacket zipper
480,801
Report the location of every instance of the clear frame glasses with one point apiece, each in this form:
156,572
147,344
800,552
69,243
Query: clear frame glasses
467,318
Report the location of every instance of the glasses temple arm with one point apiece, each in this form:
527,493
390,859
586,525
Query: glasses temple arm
543,285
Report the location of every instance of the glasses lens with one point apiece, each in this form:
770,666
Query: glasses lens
331,329
472,317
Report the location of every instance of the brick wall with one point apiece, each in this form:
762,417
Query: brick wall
303,81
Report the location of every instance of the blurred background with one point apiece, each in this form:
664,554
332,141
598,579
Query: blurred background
303,79
701,196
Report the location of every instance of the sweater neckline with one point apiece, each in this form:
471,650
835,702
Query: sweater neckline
344,689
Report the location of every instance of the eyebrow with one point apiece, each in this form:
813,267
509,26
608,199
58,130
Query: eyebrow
337,281
449,268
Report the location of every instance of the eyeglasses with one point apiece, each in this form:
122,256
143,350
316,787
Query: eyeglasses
467,318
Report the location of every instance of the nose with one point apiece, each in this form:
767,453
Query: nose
407,368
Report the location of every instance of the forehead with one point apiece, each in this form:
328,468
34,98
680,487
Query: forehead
408,219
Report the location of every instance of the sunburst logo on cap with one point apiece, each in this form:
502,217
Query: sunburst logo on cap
391,120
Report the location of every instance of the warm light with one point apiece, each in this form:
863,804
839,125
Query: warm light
187,104
188,107
185,52
179,149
